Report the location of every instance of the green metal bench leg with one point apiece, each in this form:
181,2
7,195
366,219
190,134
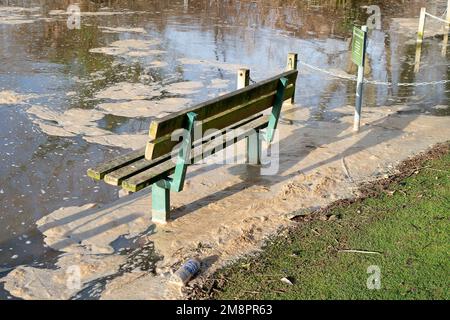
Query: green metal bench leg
254,141
254,146
276,110
161,201
161,189
184,156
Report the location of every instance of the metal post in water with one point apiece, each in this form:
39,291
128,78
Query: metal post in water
421,31
360,83
420,35
243,78
292,64
446,31
448,12
252,145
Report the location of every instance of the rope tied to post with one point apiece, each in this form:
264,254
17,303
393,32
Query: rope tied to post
343,76
437,18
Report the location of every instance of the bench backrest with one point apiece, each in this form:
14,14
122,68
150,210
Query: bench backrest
218,113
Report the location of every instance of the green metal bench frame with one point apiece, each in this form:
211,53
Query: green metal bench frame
161,189
174,179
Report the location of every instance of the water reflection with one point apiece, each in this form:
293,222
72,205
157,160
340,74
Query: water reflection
200,41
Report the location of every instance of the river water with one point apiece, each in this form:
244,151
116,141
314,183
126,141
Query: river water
71,98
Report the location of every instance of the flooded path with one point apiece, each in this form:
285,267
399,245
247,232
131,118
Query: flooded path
70,99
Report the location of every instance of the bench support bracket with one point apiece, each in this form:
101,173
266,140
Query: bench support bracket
254,141
276,110
161,189
254,148
161,201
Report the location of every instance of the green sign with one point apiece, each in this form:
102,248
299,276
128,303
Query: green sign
358,46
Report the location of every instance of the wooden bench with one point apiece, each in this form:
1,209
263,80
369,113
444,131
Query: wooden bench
155,164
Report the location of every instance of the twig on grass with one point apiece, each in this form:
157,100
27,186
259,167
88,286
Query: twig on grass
279,291
253,292
360,251
433,169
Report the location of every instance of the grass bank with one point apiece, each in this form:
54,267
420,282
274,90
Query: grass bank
399,228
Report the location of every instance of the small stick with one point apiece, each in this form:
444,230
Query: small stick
254,292
279,291
360,251
347,173
444,171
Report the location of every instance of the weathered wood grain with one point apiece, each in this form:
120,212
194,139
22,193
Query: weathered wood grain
163,170
219,112
116,177
99,172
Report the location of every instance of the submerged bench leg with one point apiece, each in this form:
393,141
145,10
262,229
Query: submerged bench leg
160,202
254,145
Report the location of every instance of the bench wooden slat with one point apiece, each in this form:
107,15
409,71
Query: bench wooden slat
165,144
219,112
116,177
161,171
99,172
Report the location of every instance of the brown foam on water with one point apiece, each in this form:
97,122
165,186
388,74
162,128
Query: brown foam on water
82,122
18,15
8,97
144,108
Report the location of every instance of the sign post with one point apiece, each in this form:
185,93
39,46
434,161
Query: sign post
359,46
446,31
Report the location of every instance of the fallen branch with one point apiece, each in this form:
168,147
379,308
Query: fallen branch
360,251
253,292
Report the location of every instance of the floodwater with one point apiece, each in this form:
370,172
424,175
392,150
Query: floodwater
71,98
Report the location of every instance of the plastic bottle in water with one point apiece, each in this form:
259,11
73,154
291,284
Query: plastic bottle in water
187,271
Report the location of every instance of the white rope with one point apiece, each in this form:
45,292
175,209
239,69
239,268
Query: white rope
374,82
437,18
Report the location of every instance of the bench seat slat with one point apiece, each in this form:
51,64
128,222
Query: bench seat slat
161,171
116,177
99,172
220,112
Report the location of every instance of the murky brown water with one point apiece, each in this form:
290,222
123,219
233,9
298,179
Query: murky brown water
174,41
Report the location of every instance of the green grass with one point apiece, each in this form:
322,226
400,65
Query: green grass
409,227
